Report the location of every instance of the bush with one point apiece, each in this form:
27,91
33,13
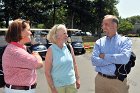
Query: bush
133,35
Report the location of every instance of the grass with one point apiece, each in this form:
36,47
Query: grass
91,44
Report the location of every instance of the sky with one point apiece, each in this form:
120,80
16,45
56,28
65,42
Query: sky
128,8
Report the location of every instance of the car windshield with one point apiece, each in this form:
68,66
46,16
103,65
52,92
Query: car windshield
76,39
39,37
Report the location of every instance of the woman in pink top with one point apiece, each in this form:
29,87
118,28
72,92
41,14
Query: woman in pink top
18,65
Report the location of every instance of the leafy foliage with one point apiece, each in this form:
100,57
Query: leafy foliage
134,19
125,26
86,15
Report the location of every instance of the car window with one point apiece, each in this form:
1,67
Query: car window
2,41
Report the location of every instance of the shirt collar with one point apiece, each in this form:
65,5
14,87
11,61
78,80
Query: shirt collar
116,35
18,45
64,45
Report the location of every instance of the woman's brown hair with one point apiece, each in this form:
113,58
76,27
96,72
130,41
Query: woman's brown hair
15,29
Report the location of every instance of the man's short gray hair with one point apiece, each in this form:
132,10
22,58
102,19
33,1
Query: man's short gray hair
113,18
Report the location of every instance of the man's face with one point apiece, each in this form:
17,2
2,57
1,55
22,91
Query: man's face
108,27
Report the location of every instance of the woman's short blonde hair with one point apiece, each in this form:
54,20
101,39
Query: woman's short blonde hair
52,35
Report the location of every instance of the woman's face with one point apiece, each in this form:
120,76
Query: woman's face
62,35
26,34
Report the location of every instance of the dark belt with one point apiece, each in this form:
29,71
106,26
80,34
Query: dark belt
107,76
21,87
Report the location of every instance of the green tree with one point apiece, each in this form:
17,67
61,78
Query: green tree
82,14
125,26
134,19
26,9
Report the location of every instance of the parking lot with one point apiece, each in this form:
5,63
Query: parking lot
87,73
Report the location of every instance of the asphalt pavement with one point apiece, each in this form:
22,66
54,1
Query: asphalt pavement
87,73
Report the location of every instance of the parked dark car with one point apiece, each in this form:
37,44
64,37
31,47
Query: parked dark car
40,48
81,33
40,43
78,48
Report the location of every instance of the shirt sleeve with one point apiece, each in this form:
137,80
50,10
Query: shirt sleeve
124,55
22,59
96,60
